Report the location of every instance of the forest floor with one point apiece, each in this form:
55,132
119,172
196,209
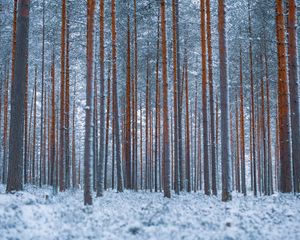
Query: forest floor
37,214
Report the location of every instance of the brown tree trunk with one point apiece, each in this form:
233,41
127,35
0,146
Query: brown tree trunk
67,105
283,104
115,98
204,102
53,181
237,139
100,167
242,129
166,142
252,109
147,129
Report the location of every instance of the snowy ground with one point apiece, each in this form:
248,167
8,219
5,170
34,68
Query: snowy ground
32,215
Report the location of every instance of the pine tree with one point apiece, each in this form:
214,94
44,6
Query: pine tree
62,100
115,98
100,167
226,178
294,92
176,94
128,110
88,109
211,101
283,103
242,129
15,167
204,102
166,144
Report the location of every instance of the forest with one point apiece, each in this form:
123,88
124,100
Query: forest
149,119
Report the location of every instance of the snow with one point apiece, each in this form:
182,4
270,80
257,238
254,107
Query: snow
37,214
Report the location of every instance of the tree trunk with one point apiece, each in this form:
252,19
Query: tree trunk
204,101
253,167
115,98
34,130
242,129
74,183
88,108
62,100
42,100
15,167
107,129
25,128
175,89
100,185
67,105
5,129
226,179
157,111
283,103
166,144
294,94
211,101
53,128
270,171
128,111
187,150
237,138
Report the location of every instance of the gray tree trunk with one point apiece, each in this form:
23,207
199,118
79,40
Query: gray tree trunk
15,166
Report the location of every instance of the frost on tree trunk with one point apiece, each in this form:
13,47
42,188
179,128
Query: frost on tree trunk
15,167
115,99
294,94
62,99
88,109
225,153
166,144
283,104
100,167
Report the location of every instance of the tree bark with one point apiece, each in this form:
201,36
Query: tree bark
62,100
15,167
226,178
283,103
115,98
204,101
294,94
166,141
100,185
88,108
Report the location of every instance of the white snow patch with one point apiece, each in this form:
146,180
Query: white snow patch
37,214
